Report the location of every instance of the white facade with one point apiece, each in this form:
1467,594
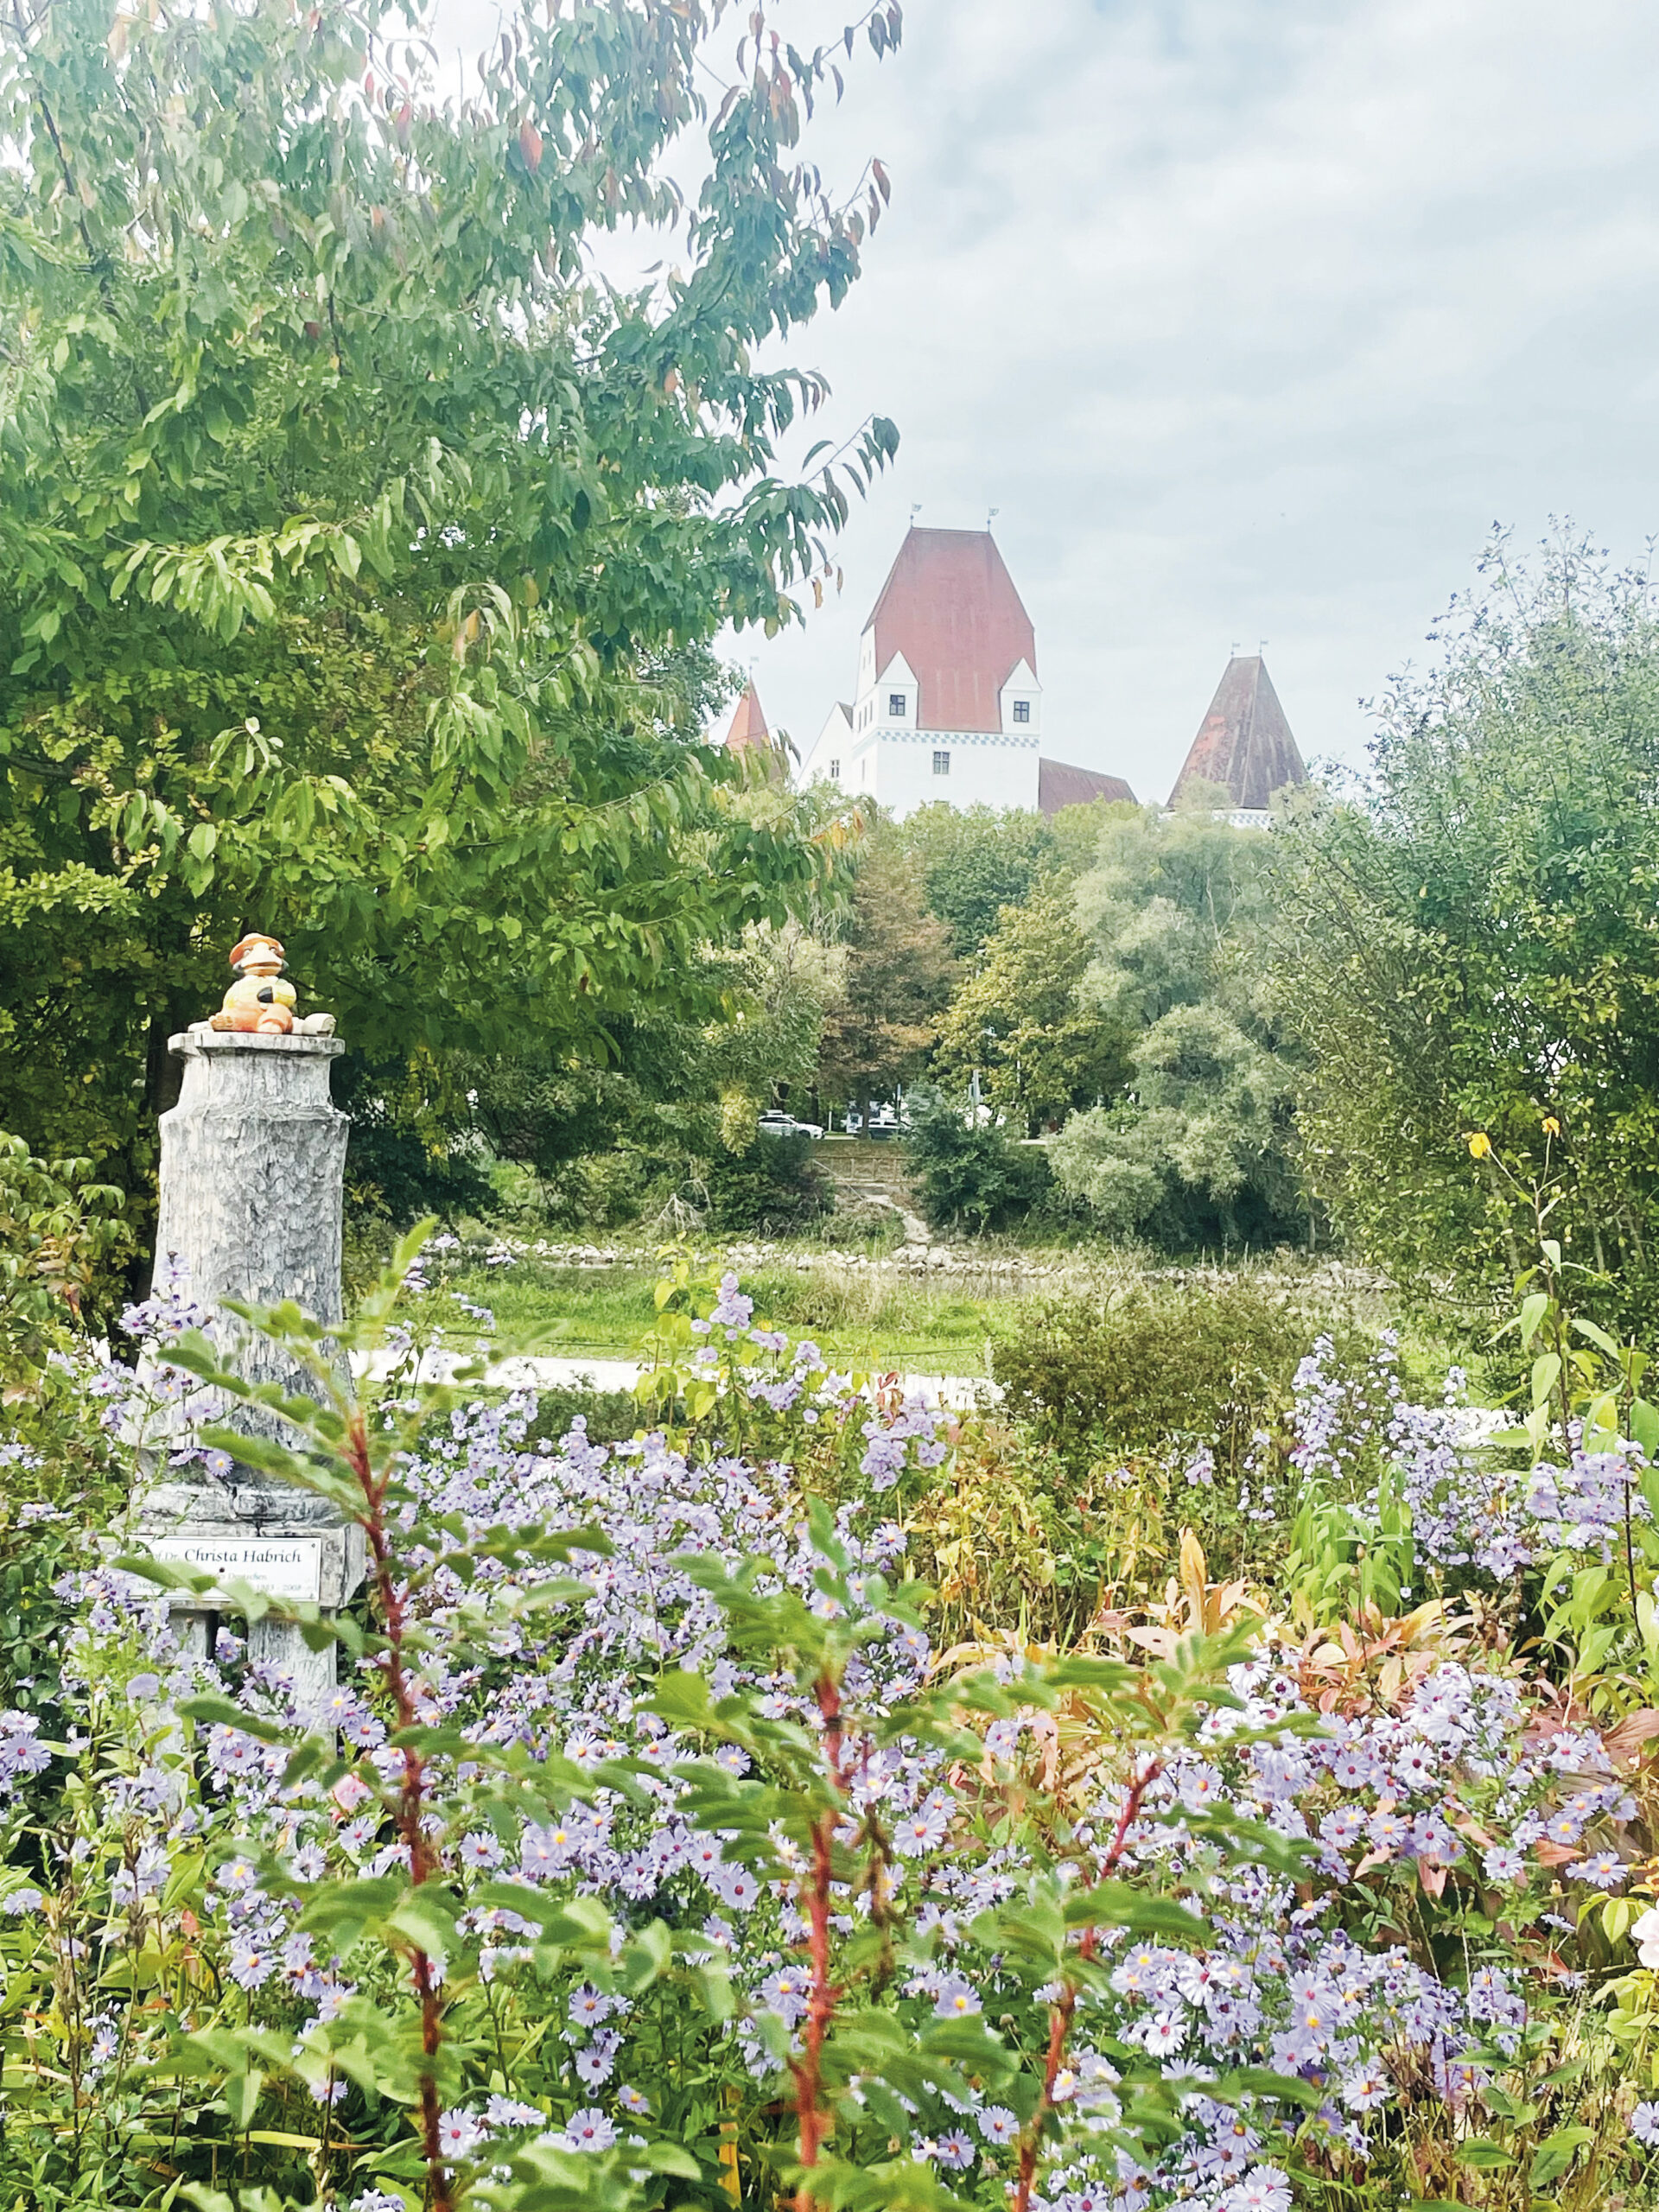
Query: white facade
878,749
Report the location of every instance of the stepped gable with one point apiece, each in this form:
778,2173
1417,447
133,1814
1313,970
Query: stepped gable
950,607
1244,742
1060,784
748,732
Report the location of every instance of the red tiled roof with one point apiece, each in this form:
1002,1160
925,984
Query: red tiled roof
1059,784
950,607
1244,742
748,732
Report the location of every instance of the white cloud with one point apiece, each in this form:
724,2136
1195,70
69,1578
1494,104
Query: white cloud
1251,316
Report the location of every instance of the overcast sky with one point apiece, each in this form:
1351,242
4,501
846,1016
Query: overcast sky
1251,316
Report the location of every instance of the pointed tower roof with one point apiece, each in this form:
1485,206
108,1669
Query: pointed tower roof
1244,742
950,607
748,732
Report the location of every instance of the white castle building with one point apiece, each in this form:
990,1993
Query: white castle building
948,705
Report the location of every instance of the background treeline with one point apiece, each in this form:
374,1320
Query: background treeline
1197,1036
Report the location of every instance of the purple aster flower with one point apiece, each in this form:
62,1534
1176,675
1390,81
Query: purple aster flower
589,2130
954,2150
956,1998
1605,1871
509,2112
1644,2123
1366,2090
923,1830
459,2133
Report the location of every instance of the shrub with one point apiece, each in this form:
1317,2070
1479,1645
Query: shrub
1204,1361
775,1186
973,1178
62,1243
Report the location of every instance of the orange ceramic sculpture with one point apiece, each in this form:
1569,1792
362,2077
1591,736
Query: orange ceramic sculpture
259,1000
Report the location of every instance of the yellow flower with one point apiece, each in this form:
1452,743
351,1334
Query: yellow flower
1552,1127
1480,1144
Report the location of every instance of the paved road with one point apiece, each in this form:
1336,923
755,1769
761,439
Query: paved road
959,1392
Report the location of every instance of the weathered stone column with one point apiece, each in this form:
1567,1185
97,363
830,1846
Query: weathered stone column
254,1160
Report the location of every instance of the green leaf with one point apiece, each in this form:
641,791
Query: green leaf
1556,2153
1482,2154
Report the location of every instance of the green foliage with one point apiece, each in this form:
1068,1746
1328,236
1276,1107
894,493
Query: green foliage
775,1186
1467,942
407,1156
976,859
1021,1018
62,1241
359,552
899,973
1158,1367
971,1177
1199,1151
780,984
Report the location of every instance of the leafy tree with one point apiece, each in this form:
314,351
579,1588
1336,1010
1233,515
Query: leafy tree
783,983
1021,1020
1200,1149
898,974
976,859
774,1186
353,539
1468,938
674,1091
61,1241
972,1175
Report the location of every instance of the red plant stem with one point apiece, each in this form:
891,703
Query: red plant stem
411,1801
808,2069
1064,2009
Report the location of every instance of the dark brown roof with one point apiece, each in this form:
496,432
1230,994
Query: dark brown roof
1059,784
950,607
748,732
1244,742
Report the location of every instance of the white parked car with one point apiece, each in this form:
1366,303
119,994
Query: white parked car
777,1123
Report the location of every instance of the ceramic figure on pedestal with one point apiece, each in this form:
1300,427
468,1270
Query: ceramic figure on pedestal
253,1165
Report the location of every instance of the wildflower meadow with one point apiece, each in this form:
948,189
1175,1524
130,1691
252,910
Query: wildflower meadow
651,1850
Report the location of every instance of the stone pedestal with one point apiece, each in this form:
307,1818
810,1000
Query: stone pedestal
253,1162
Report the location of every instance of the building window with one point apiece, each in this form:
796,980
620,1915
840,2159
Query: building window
941,764
835,772
1022,710
896,703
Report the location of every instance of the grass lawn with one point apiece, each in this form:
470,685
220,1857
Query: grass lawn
861,1317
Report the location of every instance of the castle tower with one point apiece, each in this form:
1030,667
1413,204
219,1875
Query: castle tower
746,731
1244,742
947,704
